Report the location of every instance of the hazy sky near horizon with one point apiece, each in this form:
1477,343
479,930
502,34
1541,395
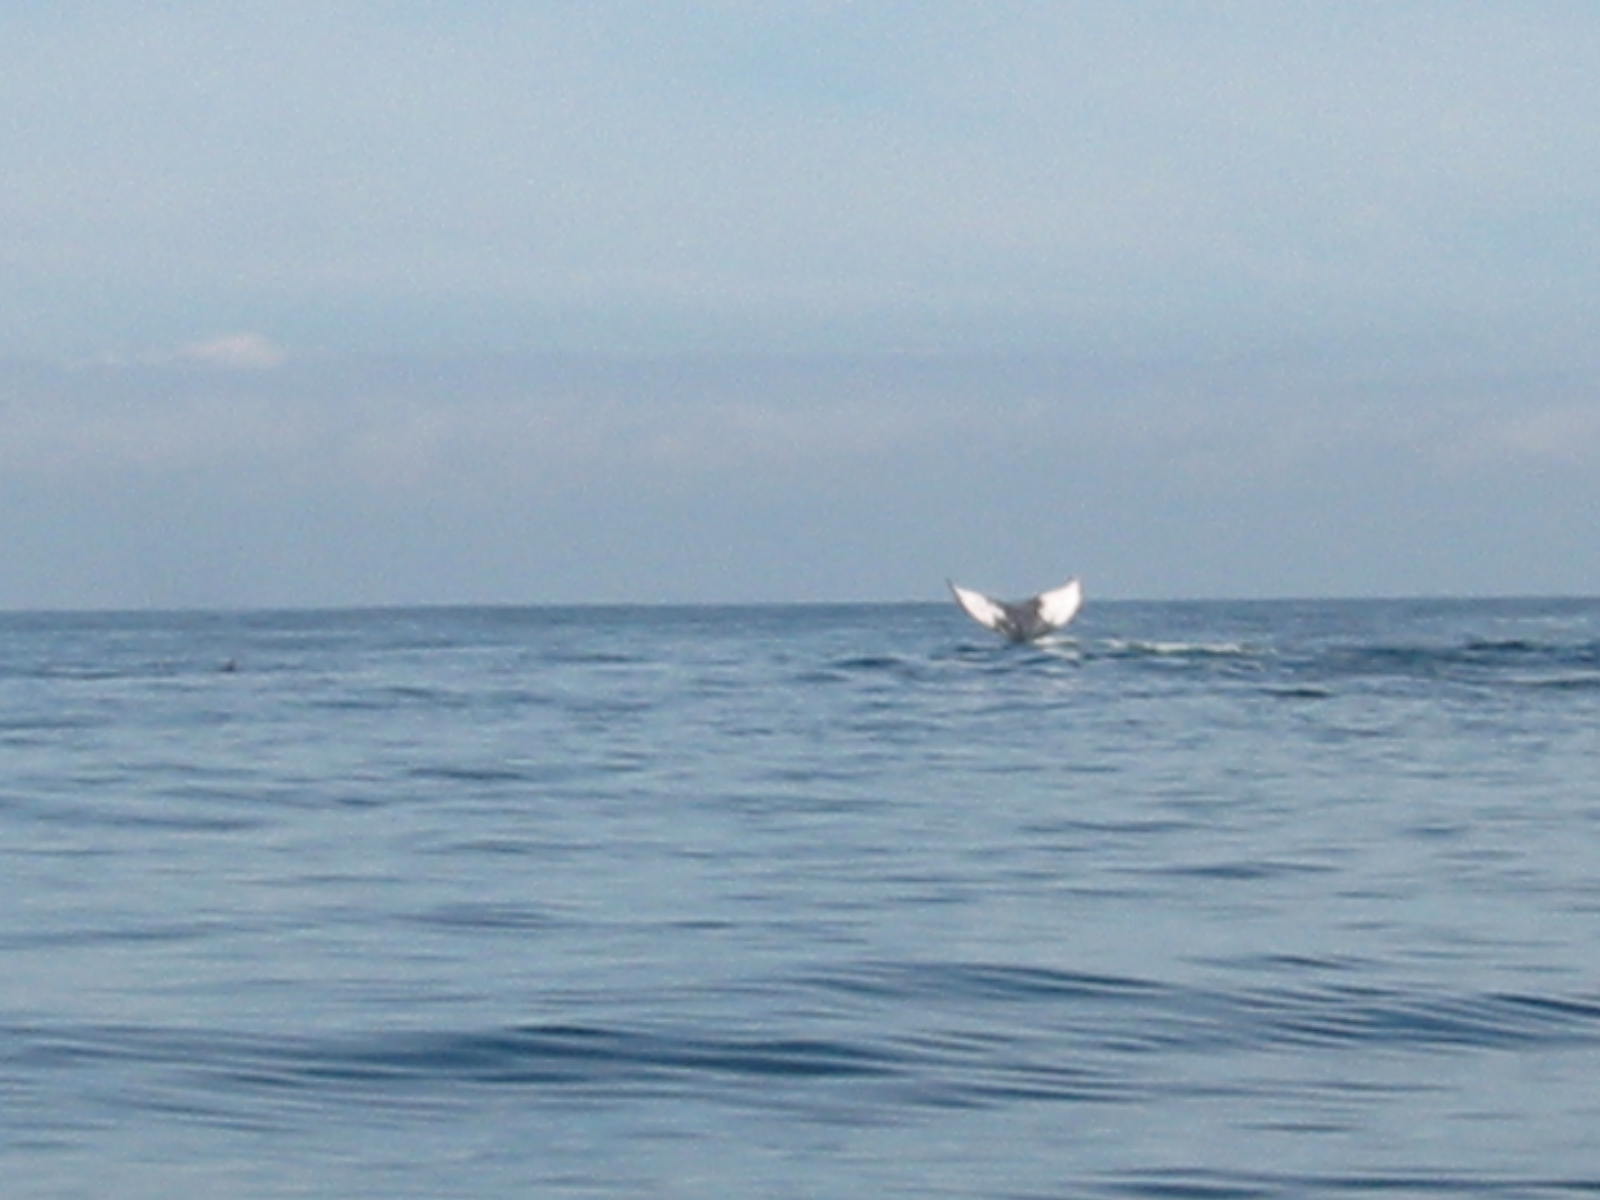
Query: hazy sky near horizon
401,302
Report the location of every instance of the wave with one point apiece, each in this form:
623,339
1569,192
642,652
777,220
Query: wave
856,667
1174,659
1471,653
1135,648
986,1035
1191,1184
1585,682
1109,1013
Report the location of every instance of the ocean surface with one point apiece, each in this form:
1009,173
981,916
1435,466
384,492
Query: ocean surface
1198,900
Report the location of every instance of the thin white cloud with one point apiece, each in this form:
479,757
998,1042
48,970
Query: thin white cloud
234,352
1567,434
242,351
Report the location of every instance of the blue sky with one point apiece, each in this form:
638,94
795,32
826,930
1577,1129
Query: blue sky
403,302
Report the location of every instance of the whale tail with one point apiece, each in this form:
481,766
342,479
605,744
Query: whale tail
1027,619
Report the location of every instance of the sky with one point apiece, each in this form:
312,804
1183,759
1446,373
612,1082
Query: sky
408,303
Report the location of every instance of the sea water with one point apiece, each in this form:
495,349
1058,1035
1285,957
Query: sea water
1272,899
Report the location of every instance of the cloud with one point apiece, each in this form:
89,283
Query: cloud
364,479
1554,434
234,352
224,352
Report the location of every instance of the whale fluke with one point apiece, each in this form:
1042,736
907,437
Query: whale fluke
1027,619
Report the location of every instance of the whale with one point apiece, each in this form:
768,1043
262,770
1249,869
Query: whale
1024,620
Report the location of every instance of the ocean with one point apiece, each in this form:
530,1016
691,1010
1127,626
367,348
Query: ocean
1196,900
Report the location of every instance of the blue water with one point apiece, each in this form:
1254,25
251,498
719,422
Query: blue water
1204,900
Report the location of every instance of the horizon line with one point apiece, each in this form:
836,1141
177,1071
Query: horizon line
459,605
